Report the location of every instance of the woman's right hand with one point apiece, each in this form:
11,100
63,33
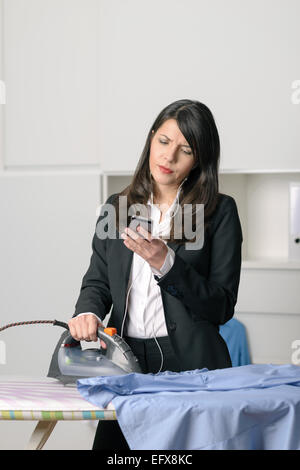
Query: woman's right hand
84,328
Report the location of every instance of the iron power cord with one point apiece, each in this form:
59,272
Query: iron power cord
33,322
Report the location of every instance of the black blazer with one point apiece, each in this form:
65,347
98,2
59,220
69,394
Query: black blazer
199,293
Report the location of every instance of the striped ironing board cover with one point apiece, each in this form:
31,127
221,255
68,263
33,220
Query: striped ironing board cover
46,399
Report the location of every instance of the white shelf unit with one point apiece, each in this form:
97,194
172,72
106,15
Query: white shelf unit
262,199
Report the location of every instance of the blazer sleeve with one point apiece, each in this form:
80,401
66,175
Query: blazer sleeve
95,293
211,298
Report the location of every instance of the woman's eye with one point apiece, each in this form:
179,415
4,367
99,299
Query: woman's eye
184,151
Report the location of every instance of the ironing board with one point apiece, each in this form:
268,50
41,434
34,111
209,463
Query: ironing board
47,401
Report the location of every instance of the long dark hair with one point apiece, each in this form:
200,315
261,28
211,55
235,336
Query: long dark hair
197,124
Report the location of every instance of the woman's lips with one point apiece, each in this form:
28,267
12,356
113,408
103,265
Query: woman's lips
164,170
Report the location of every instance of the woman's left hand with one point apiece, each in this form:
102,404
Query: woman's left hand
153,250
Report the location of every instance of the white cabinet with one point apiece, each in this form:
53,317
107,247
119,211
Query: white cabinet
51,65
240,58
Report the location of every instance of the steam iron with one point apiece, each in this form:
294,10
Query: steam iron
70,362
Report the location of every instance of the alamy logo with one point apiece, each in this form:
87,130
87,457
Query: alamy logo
295,98
106,227
2,92
2,353
296,354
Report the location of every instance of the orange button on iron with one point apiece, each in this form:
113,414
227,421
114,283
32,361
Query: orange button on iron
110,331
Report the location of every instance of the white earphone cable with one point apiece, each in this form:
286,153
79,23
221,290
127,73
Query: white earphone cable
161,353
127,296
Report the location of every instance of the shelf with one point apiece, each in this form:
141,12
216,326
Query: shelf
270,264
256,171
262,199
44,170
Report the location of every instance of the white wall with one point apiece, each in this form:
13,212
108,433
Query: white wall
2,78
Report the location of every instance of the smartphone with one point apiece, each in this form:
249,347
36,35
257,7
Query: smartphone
144,220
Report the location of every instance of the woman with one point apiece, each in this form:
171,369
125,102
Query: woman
168,301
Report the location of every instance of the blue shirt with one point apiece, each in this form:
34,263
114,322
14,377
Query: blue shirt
234,334
247,407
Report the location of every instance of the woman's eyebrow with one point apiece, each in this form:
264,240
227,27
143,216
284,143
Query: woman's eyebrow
182,145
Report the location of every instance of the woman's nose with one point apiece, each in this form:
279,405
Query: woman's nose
171,153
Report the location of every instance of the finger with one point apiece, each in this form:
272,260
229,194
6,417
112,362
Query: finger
77,332
129,242
72,329
144,233
132,234
84,330
103,345
92,330
134,246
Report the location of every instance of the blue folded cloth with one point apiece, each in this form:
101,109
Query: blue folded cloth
256,406
235,336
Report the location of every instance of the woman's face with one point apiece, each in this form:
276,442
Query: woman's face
170,150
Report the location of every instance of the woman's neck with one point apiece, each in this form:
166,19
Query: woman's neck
163,197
